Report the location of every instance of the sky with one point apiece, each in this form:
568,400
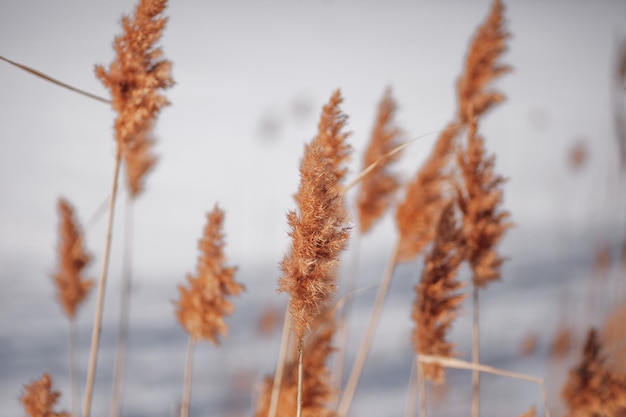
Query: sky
251,78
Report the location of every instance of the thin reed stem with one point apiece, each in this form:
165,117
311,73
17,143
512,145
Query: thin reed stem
300,376
74,367
460,364
97,324
422,386
54,81
122,335
475,355
359,363
280,366
184,406
412,393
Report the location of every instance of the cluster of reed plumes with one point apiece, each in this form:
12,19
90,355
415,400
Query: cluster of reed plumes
450,214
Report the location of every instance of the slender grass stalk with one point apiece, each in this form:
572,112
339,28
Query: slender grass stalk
184,406
357,368
422,386
300,377
54,80
280,366
97,323
412,393
125,293
74,367
475,355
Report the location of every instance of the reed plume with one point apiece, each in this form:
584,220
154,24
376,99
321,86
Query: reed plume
203,306
39,399
592,389
319,227
437,298
139,161
378,187
317,392
72,287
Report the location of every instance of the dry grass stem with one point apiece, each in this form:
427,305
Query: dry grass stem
203,306
280,366
378,188
319,227
437,295
317,392
54,80
138,72
40,399
72,287
592,388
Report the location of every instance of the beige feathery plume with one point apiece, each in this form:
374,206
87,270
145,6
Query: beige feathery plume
72,287
378,187
592,388
482,66
39,398
138,73
139,160
317,393
480,198
203,306
437,298
319,227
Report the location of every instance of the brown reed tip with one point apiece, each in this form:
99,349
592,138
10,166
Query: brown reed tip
482,67
532,412
561,342
437,298
203,306
592,389
317,392
72,287
39,398
138,73
139,160
378,187
319,227
480,198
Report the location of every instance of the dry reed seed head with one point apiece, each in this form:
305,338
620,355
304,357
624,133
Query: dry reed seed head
532,412
319,227
317,392
39,398
203,306
482,67
480,198
379,186
139,160
592,389
614,338
72,287
437,298
138,74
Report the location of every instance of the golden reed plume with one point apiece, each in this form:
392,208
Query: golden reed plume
138,73
437,298
203,306
39,398
72,287
378,187
139,160
317,393
319,228
592,388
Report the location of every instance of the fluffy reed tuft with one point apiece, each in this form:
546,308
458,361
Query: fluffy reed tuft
317,393
72,288
39,398
203,306
437,297
378,187
319,227
592,388
139,160
484,222
138,73
482,67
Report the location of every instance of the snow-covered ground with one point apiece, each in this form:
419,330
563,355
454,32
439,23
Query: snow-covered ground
251,78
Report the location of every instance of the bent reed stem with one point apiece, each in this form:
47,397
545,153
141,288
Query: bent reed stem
184,405
475,354
300,376
97,324
359,362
